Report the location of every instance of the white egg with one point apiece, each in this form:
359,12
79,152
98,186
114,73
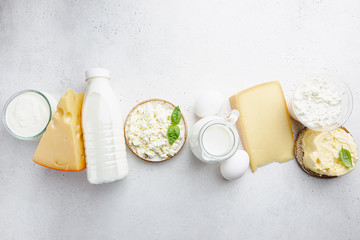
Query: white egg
209,104
236,166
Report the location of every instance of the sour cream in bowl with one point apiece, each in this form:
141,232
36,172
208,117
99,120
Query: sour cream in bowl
27,113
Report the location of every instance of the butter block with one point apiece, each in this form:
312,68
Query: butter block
61,146
321,151
264,124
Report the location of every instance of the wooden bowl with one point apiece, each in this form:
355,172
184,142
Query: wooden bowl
156,158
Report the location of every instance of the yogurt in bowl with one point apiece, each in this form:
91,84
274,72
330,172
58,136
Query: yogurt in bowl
27,113
321,103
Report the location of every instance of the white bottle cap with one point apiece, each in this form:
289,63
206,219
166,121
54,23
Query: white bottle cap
97,72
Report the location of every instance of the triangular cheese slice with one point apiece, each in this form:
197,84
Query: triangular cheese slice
62,146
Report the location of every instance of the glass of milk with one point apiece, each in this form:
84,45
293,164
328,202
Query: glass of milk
214,138
27,113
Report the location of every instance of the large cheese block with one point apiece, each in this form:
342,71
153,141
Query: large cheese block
264,124
62,146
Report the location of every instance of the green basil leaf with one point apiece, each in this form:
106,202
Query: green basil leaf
176,116
173,133
345,157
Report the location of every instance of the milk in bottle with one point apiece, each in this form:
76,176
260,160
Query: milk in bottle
105,151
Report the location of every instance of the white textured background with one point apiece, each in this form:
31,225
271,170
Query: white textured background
173,49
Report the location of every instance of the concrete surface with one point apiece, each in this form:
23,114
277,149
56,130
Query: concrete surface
173,50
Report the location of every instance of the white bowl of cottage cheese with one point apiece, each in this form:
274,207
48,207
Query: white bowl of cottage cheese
146,131
321,103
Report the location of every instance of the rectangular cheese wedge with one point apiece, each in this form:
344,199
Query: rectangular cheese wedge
264,124
62,146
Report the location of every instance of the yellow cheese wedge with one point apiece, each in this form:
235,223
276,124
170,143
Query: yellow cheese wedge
62,146
264,124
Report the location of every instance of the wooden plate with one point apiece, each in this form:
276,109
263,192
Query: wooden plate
156,158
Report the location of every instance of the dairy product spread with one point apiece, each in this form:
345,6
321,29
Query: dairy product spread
321,151
317,103
264,124
146,130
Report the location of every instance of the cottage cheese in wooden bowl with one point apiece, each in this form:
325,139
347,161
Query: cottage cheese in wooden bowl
147,129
